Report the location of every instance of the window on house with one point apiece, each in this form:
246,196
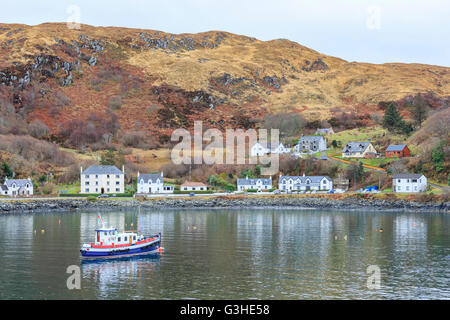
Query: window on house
96,175
87,183
107,176
117,176
117,189
87,190
117,182
86,176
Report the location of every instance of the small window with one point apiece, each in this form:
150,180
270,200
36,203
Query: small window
118,239
117,176
107,176
134,237
106,233
124,238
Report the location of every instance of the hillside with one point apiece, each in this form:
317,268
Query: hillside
151,81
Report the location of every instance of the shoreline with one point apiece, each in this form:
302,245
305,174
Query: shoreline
285,203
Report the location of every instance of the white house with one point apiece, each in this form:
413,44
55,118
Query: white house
304,183
17,187
310,144
409,182
193,186
102,179
325,131
358,150
259,184
280,149
152,183
259,149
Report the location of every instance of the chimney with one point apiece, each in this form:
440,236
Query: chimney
138,174
303,174
162,174
123,169
81,169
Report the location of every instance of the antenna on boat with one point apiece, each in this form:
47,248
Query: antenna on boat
139,220
99,218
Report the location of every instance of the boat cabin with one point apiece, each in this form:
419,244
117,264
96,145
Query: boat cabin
112,237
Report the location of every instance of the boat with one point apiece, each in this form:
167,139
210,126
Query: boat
109,242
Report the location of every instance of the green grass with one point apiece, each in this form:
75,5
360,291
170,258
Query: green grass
70,188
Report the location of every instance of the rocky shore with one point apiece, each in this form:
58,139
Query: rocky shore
234,203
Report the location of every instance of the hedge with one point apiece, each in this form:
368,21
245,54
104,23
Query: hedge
122,195
196,192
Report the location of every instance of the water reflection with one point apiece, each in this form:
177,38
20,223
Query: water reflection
230,254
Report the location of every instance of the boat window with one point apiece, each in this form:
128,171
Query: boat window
134,237
124,238
118,239
106,233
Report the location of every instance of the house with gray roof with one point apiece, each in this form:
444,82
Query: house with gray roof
358,150
310,144
152,183
17,187
260,184
409,182
305,183
102,179
325,131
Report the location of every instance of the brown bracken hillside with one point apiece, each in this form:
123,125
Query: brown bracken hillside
154,81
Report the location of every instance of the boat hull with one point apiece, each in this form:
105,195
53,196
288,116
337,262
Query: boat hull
133,250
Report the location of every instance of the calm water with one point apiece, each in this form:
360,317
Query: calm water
229,254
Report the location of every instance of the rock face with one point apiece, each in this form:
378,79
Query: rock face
235,203
223,79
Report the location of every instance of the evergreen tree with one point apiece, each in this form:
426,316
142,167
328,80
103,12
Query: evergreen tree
392,119
5,170
419,109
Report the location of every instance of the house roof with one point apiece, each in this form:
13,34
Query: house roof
407,176
3,187
302,179
193,184
18,182
102,170
310,138
355,147
151,178
253,181
396,147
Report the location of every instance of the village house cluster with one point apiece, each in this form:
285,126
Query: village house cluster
108,179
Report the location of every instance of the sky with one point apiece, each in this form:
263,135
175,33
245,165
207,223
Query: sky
376,31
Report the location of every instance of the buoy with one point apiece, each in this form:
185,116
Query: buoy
59,221
42,231
421,224
381,229
335,237
345,237
250,223
195,228
131,224
414,224
160,249
376,230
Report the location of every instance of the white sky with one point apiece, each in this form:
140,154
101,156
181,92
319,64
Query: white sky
374,31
